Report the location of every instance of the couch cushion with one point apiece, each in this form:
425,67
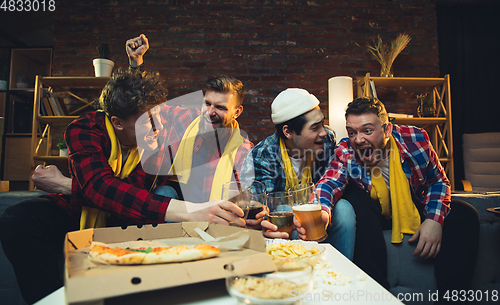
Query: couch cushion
8,198
9,291
406,273
413,278
487,271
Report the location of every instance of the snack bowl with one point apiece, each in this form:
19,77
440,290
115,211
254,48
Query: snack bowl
284,286
309,252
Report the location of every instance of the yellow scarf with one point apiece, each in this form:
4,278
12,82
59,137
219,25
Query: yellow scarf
405,216
183,160
291,176
95,218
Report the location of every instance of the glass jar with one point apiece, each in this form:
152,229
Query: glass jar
426,107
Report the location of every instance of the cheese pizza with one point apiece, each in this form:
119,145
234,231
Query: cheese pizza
102,253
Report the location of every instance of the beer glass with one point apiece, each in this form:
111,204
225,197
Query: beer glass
307,209
250,196
280,209
258,197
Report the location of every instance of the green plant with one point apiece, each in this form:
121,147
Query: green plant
103,50
61,144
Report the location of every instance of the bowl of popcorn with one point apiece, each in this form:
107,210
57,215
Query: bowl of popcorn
284,286
310,252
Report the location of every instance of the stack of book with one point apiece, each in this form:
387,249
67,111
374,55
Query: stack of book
52,106
399,115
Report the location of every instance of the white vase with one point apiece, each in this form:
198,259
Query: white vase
103,67
3,85
23,82
63,152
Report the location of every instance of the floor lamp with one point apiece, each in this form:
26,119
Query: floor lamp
339,95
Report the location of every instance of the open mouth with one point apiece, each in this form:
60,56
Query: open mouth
365,153
152,137
212,123
319,143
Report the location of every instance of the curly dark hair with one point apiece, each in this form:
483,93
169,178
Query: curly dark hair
225,84
130,92
367,105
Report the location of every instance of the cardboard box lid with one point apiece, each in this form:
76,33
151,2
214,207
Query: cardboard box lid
87,281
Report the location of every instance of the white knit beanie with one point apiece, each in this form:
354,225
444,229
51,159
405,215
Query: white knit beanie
291,103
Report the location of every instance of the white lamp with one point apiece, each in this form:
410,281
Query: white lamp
339,95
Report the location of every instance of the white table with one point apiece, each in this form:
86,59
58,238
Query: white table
367,291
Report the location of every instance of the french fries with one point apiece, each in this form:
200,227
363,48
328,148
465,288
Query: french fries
290,250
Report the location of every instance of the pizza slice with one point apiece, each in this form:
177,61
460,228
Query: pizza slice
102,253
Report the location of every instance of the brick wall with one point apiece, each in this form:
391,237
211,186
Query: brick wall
269,45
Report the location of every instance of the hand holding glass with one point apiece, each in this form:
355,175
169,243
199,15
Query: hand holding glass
307,209
249,196
258,199
280,211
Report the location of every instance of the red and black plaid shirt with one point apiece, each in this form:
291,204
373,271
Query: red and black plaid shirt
94,183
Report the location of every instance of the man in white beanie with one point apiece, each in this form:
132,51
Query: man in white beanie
298,152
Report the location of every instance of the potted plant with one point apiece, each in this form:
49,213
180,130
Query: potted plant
386,54
103,65
63,150
4,72
426,107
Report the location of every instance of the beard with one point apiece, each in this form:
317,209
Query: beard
214,136
223,128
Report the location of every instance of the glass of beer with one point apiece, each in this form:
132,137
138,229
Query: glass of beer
250,196
307,209
258,197
280,209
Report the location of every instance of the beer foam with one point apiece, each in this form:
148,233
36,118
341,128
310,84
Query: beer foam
307,207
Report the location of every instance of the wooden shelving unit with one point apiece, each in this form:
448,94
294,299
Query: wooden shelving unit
41,136
439,127
25,64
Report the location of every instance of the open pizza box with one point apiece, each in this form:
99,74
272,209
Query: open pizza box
87,282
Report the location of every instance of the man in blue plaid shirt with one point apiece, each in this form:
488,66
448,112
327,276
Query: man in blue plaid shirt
281,161
406,190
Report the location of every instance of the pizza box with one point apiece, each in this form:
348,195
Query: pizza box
88,282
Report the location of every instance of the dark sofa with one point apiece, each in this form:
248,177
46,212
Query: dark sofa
412,277
9,290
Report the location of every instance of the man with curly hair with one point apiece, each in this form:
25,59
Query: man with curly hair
108,186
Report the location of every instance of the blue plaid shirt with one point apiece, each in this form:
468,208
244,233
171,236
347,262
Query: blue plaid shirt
264,163
419,161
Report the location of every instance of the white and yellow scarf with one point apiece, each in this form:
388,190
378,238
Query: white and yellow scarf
95,218
291,177
183,160
399,203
